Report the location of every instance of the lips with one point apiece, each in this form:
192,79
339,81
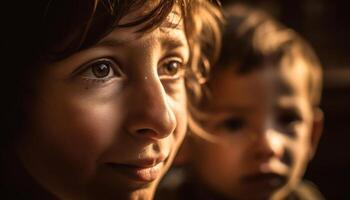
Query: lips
146,170
264,181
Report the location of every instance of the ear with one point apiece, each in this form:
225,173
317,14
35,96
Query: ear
316,132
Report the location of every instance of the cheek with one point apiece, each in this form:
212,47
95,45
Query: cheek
229,158
74,130
223,159
300,145
300,148
178,104
217,166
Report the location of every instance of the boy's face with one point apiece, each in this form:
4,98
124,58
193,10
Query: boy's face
107,121
267,132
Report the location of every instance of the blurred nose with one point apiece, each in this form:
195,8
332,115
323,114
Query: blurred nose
150,114
268,144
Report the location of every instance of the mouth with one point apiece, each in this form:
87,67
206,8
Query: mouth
145,171
264,182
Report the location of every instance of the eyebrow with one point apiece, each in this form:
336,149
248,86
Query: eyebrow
289,107
166,41
172,42
111,42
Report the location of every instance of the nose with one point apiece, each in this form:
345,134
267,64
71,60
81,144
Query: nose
268,144
150,114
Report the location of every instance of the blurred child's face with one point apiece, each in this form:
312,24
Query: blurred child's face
107,121
266,129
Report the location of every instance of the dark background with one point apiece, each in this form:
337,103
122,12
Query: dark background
326,25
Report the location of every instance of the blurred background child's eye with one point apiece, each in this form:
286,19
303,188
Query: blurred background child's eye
288,119
234,124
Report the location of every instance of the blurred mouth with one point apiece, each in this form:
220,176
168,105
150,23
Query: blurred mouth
265,183
145,171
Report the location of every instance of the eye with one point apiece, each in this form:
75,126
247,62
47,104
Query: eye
171,69
101,70
288,119
287,123
233,124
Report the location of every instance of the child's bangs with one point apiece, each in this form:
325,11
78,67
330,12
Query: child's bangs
84,23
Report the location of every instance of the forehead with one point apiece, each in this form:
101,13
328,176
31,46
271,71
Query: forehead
172,27
279,86
291,79
230,90
172,20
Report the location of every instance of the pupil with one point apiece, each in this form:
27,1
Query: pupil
172,68
101,70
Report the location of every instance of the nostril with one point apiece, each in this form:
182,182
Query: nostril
149,133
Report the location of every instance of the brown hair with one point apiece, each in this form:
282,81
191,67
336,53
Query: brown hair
205,43
252,39
40,32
